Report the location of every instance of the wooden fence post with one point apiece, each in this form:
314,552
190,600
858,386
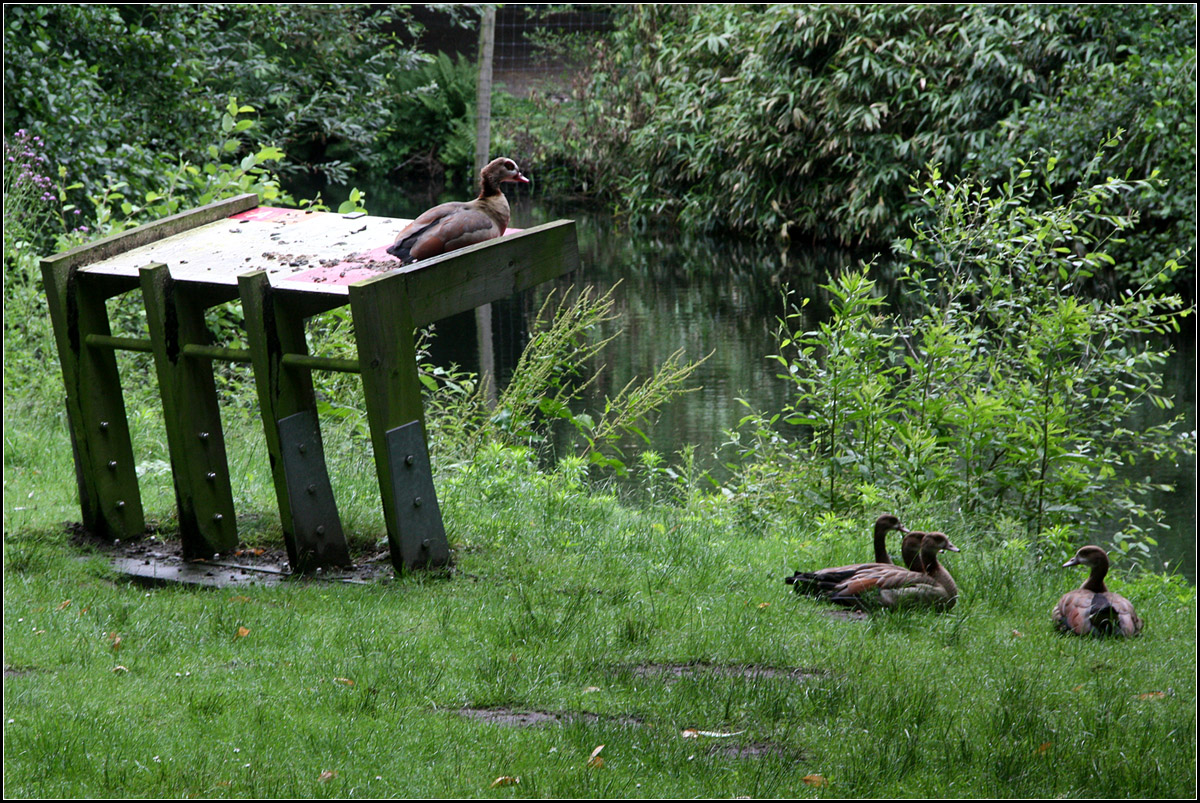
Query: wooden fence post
483,147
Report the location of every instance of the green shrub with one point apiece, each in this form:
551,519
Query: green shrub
795,120
1140,78
126,90
997,385
430,127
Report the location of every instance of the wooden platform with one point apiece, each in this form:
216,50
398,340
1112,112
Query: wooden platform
314,252
284,266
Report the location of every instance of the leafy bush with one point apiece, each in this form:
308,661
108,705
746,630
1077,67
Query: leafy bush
1138,78
808,117
997,384
806,120
123,91
430,127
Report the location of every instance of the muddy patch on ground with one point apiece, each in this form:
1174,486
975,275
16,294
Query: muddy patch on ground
847,615
673,672
533,719
157,560
710,744
749,750
18,671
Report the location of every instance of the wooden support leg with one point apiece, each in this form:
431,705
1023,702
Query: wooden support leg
383,329
109,499
307,509
193,420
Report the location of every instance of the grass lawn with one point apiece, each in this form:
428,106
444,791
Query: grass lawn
662,636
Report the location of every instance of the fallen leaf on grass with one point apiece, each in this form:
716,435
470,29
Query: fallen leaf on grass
815,780
115,641
326,775
692,733
64,605
1043,747
595,760
1152,695
344,681
243,631
1018,633
505,780
762,605
119,668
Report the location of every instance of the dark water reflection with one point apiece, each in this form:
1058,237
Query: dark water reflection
706,295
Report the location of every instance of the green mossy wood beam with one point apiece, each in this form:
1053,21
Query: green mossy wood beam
275,328
109,499
199,466
388,308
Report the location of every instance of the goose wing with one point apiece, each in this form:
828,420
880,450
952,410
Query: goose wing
443,228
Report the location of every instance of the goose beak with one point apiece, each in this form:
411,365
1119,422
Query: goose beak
1072,562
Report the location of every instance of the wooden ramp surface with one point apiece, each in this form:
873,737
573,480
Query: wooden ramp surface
318,252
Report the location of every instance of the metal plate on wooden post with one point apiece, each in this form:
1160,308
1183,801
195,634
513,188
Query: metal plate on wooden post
316,529
423,541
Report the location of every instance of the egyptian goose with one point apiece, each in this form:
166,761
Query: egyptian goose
809,582
880,585
1092,608
910,550
460,223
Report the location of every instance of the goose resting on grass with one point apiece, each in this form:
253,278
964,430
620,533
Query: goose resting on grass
910,550
880,585
808,582
1092,609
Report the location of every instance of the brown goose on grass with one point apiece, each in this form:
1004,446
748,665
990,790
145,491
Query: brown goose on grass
460,223
1092,609
880,585
910,550
809,582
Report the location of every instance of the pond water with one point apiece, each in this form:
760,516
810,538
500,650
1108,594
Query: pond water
707,295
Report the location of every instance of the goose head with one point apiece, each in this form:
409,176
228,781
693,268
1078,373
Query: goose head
501,170
931,545
1092,556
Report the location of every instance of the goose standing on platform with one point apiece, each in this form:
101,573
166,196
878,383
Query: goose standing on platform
811,582
460,223
879,585
1092,608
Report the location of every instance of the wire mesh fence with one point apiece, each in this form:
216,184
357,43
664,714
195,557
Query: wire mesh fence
528,54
